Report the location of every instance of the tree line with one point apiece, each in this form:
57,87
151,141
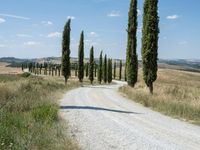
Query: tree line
105,69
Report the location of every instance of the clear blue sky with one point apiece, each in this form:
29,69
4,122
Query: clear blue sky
33,28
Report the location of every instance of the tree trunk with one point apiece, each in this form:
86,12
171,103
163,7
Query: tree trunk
151,88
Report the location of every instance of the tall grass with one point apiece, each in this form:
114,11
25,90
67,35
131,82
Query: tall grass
176,93
29,114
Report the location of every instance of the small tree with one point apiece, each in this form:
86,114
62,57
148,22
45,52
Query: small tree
109,70
120,70
100,68
81,58
91,66
105,70
66,51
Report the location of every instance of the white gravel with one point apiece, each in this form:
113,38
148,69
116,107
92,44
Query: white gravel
101,119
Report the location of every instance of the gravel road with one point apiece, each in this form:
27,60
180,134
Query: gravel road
101,119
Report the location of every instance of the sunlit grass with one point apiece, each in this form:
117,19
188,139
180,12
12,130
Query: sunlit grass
176,93
29,113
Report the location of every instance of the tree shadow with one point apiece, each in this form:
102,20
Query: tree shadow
97,109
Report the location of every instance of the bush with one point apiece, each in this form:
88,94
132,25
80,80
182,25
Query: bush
25,75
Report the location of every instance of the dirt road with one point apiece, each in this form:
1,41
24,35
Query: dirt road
101,119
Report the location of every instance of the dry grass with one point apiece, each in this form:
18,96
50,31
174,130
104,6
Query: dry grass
9,70
176,93
29,114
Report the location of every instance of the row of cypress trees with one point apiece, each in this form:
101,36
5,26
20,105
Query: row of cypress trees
104,68
45,69
149,44
149,49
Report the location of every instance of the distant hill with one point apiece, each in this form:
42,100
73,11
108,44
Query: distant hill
178,64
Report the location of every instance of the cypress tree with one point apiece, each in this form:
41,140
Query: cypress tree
52,70
150,42
81,58
131,54
100,68
109,70
105,70
45,68
120,70
37,66
115,66
35,70
125,76
86,69
49,69
30,67
95,69
40,68
59,67
91,66
65,62
56,70
76,70
66,51
22,67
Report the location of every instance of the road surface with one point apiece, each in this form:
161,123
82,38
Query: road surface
100,118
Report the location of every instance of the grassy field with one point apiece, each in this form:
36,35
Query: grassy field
9,70
29,113
176,93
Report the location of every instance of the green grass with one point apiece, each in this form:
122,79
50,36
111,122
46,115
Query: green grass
176,93
29,113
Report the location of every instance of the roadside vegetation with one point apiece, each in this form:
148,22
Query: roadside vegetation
29,113
177,94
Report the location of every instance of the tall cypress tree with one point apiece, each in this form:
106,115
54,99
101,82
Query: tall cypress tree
105,69
131,54
109,70
100,68
150,42
120,70
81,58
66,51
91,66
115,66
